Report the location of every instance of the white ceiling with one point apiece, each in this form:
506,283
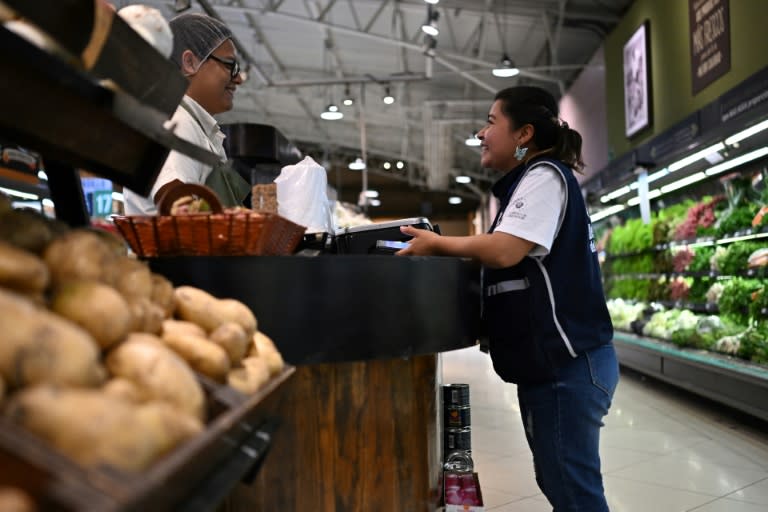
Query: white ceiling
372,43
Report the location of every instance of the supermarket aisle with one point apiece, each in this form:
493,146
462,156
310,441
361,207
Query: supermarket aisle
661,450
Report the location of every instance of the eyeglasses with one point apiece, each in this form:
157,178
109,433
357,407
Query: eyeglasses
233,65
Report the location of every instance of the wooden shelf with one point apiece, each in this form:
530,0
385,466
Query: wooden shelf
203,469
65,115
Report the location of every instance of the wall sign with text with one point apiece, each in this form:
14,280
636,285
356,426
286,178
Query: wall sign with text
710,41
637,81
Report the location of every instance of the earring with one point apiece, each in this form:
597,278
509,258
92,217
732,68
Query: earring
520,152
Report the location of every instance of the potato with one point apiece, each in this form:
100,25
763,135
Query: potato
26,230
203,355
264,347
167,425
197,306
79,254
130,277
22,270
96,307
250,377
162,294
231,310
41,347
233,339
147,316
88,426
123,389
13,499
158,373
171,326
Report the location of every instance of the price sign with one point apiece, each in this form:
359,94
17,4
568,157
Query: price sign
101,203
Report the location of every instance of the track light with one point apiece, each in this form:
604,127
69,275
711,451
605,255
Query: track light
332,113
506,68
388,99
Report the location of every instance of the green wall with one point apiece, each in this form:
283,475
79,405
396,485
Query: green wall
671,96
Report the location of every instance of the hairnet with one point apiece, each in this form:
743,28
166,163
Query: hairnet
197,32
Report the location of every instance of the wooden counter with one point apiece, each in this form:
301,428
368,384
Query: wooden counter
360,429
354,437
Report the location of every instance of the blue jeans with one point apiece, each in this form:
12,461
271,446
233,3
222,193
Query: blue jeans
562,421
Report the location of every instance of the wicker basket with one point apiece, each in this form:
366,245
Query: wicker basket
244,233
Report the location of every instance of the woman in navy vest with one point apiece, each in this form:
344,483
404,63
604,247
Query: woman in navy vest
543,302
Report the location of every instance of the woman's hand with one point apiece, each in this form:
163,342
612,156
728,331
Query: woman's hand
424,242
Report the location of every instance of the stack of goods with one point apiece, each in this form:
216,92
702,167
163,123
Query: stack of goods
461,485
457,433
104,360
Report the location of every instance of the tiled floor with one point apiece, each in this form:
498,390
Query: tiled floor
662,450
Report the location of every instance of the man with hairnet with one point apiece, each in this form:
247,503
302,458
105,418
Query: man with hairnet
205,54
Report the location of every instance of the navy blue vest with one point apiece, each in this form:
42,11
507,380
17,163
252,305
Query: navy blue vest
545,311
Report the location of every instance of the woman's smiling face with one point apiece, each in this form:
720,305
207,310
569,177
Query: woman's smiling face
498,141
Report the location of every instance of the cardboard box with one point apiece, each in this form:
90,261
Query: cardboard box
461,492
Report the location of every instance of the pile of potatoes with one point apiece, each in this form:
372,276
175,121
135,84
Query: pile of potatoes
98,355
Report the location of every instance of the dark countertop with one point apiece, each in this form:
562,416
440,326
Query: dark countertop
345,308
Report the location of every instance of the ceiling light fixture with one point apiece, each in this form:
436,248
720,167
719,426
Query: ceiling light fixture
374,202
463,179
454,200
388,99
372,193
430,27
332,113
357,165
472,140
433,2
506,68
399,164
387,165
348,99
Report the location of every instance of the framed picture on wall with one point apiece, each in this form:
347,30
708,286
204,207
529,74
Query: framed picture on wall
637,86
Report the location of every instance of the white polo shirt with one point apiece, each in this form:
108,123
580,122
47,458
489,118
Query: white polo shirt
179,166
536,210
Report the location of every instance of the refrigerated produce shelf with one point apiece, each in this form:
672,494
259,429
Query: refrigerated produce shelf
733,382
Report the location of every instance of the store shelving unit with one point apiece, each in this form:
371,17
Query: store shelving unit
727,380
74,122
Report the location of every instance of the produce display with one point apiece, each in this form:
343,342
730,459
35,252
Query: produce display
104,360
696,274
